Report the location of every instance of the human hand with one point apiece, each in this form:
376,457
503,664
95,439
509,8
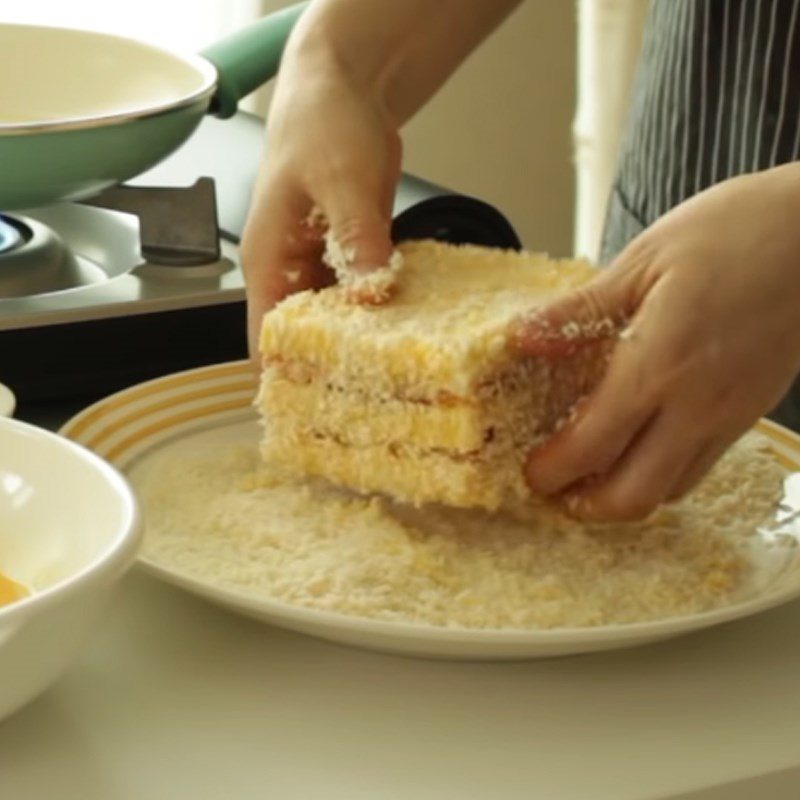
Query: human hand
352,73
711,294
331,149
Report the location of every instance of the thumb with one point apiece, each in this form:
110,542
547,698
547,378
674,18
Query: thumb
580,317
358,240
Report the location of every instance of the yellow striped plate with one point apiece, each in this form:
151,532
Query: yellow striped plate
216,401
125,425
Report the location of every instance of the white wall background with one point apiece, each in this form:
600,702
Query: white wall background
609,40
500,129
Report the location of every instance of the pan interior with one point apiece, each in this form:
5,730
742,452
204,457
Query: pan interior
59,75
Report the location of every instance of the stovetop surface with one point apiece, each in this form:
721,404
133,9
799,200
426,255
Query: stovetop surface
115,280
115,277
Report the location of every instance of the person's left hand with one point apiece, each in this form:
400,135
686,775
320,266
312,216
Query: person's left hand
712,296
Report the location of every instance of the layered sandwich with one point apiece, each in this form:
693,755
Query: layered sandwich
423,398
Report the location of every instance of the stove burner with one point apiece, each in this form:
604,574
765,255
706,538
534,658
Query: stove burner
34,260
10,237
178,225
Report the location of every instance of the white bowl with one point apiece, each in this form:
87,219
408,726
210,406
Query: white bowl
69,528
7,401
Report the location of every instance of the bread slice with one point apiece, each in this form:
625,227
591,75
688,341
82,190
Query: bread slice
423,398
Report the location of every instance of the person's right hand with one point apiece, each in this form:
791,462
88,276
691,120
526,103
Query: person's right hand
332,147
709,295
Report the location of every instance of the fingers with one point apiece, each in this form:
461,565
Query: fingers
282,247
358,241
605,425
697,469
641,438
664,462
645,476
281,253
359,225
583,316
625,451
630,443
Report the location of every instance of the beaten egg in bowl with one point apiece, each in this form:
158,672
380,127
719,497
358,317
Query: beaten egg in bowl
10,590
69,529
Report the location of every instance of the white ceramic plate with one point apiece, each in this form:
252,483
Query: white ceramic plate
213,405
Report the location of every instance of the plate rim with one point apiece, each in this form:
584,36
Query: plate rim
263,606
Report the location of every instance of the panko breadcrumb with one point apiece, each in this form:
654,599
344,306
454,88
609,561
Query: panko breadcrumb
428,398
227,519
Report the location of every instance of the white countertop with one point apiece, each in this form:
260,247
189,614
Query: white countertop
175,698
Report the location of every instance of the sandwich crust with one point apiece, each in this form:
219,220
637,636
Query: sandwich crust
423,399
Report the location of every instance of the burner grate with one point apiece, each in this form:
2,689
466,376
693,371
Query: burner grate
178,225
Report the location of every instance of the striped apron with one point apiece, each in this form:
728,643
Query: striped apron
716,94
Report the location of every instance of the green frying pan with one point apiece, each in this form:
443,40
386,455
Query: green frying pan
87,110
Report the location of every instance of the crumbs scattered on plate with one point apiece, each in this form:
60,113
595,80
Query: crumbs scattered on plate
226,518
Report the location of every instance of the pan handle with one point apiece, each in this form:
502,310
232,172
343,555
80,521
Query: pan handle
248,58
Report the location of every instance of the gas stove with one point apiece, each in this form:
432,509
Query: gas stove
128,251
144,279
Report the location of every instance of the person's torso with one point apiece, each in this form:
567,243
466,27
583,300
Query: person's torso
716,94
